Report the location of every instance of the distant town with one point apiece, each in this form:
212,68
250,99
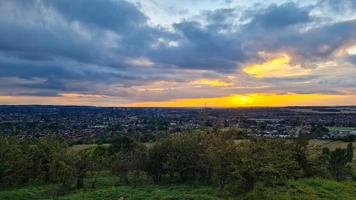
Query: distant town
81,123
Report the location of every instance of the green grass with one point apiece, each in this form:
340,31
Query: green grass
306,189
174,192
26,192
340,128
79,147
303,189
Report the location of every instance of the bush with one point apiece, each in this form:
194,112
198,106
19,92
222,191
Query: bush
138,177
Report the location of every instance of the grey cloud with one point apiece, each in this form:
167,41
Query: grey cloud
205,47
220,15
109,14
352,59
202,48
341,5
277,17
321,42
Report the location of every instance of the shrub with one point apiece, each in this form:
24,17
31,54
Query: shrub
138,177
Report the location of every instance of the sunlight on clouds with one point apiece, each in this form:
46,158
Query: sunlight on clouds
255,99
217,83
276,67
346,50
146,62
351,50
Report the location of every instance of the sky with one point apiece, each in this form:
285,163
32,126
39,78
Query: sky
163,53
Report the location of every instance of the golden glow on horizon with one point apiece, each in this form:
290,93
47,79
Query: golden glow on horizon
276,67
241,99
236,100
255,99
217,83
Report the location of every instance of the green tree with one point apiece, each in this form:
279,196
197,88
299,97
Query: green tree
224,159
338,163
50,160
300,146
14,161
128,159
186,157
350,152
271,160
83,162
319,130
156,162
121,143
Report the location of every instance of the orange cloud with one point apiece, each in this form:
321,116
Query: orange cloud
276,67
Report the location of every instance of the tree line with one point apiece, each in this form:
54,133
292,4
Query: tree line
210,157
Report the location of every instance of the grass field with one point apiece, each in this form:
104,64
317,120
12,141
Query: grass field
80,147
317,145
337,128
313,189
304,189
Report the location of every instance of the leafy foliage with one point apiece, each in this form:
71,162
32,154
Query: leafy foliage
213,158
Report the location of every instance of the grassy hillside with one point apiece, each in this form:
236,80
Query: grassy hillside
106,189
311,189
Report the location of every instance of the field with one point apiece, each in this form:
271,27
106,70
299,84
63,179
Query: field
336,128
317,145
314,142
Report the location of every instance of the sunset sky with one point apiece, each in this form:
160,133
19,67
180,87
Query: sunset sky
218,53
